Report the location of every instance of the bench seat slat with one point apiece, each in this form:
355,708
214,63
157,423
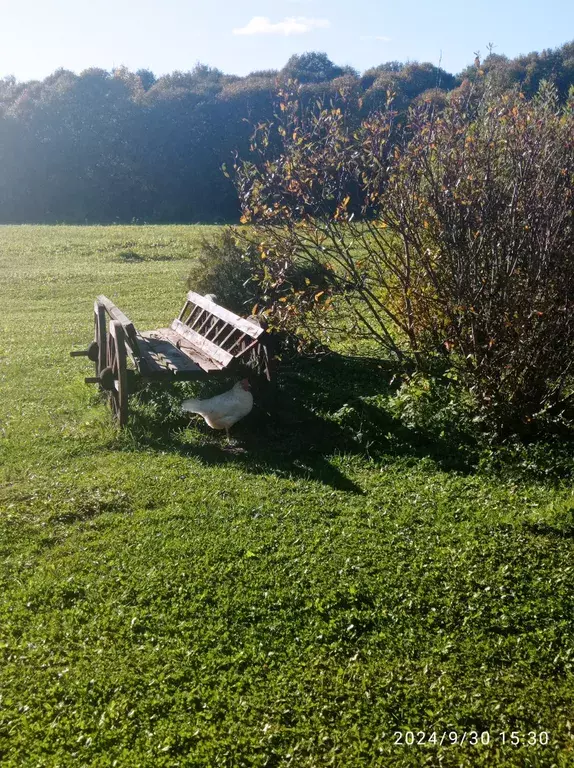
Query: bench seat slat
224,328
205,325
242,324
162,354
202,345
189,350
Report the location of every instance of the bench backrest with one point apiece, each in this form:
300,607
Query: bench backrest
219,333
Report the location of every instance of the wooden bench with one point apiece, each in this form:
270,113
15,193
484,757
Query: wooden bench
204,340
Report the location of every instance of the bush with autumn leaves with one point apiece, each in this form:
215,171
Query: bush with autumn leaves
446,239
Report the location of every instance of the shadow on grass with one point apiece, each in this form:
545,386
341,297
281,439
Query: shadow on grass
553,531
320,408
133,257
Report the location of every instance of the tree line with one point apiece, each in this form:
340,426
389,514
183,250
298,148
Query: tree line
122,146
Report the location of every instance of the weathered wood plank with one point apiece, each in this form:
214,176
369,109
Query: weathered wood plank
224,327
100,334
212,332
165,353
205,363
247,326
203,345
194,315
205,325
228,337
148,360
236,343
249,347
116,314
161,355
183,311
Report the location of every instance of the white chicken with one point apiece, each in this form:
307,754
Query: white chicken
223,411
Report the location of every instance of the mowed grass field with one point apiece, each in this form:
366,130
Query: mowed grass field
165,601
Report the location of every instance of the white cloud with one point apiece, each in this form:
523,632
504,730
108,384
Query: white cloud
294,25
382,38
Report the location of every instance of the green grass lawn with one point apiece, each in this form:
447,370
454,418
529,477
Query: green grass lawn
165,601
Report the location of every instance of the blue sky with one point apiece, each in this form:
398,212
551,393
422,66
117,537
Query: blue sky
38,36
